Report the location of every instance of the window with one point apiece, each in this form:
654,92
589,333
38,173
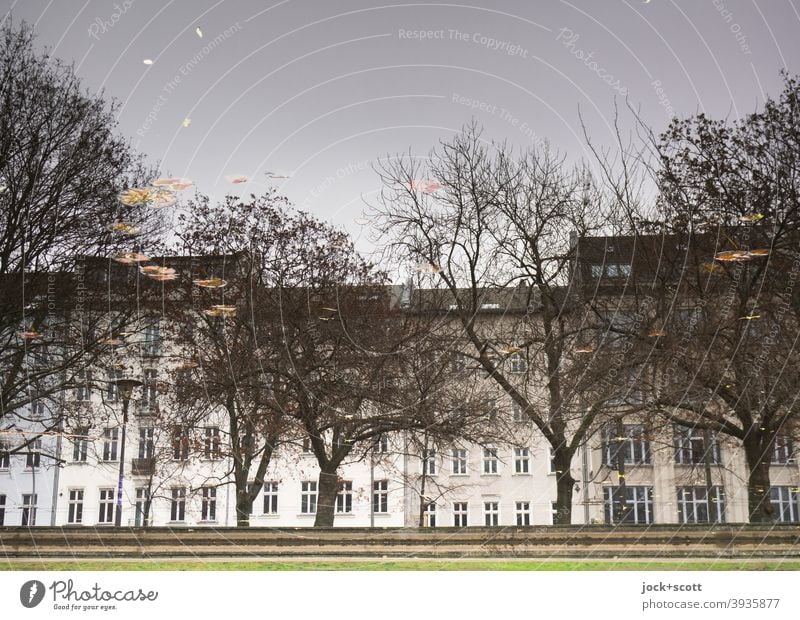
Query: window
270,498
33,458
381,445
459,462
786,502
344,498
522,459
29,509
618,270
5,457
149,389
306,445
693,505
597,270
112,394
782,451
308,497
152,338
491,410
180,443
518,363
633,445
429,515
83,392
517,414
110,443
523,513
37,407
637,502
491,513
690,447
211,446
106,514
208,507
142,507
460,514
458,362
80,445
490,460
146,443
75,510
429,462
2,510
177,510
380,496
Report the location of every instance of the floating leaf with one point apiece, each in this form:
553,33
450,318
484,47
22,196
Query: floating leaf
221,310
127,258
187,121
750,317
751,217
584,350
276,175
657,333
428,268
199,32
236,179
135,196
425,186
148,61
732,256
29,335
174,184
210,283
759,252
124,228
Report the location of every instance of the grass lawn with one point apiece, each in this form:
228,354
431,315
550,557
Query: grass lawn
398,565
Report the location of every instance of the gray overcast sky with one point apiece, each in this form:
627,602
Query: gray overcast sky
319,90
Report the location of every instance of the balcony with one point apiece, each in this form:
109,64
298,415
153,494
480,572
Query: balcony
146,409
142,467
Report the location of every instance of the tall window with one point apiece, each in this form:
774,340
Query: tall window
208,508
458,362
38,408
429,462
690,446
150,389
429,515
522,510
2,510
460,514
177,511
146,443
306,445
382,444
459,461
491,410
490,460
112,394
782,451
308,497
33,458
517,413
211,445
28,509
786,502
518,363
491,513
638,505
83,391
344,498
142,506
634,447
5,456
106,514
522,459
380,496
180,443
75,510
694,505
80,445
152,337
270,498
110,443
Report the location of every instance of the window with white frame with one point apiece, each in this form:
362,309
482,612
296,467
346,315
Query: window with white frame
518,363
429,515
460,513
83,391
208,506
491,410
29,509
633,446
152,337
106,513
177,509
146,446
782,451
380,496
149,389
38,408
211,443
786,502
80,445
522,460
2,509
33,458
75,507
458,362
381,445
180,443
271,498
344,498
522,510
690,446
112,393
5,456
694,505
459,462
491,513
429,462
517,413
489,460
306,445
308,497
142,506
551,459
637,505
110,443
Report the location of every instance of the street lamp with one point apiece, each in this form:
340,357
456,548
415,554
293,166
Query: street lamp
125,387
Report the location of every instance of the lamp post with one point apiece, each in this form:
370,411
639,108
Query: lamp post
125,387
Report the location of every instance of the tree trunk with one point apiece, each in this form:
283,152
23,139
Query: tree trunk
565,485
244,507
760,508
326,499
